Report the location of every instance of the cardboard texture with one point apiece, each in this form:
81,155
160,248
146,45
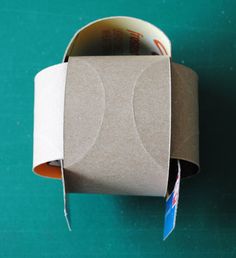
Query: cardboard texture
117,122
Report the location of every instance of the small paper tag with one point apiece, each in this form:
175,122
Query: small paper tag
171,207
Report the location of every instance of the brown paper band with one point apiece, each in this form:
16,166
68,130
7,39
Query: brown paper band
117,125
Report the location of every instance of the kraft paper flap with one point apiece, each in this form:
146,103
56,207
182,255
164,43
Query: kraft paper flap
185,132
117,121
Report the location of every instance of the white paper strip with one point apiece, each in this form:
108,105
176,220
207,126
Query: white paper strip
48,114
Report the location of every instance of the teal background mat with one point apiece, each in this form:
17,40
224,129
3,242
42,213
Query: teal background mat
33,35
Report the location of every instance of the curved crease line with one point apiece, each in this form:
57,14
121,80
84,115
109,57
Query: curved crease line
101,123
136,129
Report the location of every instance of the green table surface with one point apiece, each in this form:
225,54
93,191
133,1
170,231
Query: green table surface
33,35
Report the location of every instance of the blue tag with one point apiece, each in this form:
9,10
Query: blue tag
171,207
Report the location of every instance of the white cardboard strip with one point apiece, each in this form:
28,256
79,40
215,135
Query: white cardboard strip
48,114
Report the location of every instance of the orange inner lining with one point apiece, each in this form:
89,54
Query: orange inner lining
49,171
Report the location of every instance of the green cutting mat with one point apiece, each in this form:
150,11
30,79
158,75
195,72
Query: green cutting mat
33,35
